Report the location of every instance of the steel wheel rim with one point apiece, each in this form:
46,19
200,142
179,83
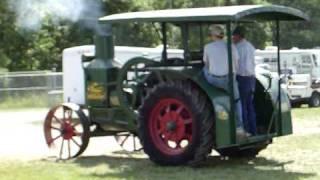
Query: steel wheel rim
170,126
64,135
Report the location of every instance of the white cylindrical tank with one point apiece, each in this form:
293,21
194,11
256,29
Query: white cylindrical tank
73,73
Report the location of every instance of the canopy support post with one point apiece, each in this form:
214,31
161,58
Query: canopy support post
164,41
279,73
185,41
231,91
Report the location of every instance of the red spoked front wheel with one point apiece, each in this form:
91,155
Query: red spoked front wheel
66,131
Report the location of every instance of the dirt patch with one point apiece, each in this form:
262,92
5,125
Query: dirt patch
22,137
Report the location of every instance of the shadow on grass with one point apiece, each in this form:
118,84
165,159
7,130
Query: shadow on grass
214,168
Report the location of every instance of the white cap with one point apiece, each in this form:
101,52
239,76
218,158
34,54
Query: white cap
216,30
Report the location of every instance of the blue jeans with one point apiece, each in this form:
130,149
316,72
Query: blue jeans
223,83
247,86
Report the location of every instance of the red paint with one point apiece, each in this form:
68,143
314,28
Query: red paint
171,121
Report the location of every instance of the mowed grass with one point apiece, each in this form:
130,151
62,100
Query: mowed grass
31,100
292,157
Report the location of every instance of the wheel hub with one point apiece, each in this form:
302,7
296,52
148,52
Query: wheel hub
171,126
174,126
67,131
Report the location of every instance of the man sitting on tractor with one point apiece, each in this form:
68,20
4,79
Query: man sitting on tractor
215,57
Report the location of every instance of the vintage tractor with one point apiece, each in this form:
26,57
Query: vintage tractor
178,117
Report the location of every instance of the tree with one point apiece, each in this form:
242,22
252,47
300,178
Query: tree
22,49
301,34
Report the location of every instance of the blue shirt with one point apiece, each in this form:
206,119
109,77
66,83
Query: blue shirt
246,58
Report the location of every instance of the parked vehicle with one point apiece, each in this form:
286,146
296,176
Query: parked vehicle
302,69
176,114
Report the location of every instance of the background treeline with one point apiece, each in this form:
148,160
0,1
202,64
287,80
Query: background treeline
24,49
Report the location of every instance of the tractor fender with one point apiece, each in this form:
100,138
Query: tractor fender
78,109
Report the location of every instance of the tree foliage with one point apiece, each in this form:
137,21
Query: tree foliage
22,49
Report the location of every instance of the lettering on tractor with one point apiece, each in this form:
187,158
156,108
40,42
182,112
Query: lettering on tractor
96,91
160,101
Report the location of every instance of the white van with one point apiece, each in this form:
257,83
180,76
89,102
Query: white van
302,69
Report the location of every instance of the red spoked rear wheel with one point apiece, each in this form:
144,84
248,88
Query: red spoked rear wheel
175,124
171,126
66,132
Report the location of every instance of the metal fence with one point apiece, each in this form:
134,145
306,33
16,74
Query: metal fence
38,87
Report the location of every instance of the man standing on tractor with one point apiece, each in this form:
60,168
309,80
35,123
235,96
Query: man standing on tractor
215,57
246,78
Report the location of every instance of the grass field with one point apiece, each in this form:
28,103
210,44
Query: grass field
35,100
292,157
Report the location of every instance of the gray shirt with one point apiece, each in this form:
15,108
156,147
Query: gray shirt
246,58
215,57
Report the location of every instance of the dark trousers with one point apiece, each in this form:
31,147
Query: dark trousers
246,89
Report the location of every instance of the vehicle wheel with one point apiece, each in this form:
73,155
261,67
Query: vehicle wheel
128,141
295,104
314,100
241,153
176,124
66,131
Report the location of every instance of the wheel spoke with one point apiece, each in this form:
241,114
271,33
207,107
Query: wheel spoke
64,113
52,140
166,138
124,140
55,128
76,133
57,119
70,115
74,141
178,145
69,150
187,137
188,121
76,124
134,142
159,119
161,130
160,125
168,108
173,137
179,110
61,149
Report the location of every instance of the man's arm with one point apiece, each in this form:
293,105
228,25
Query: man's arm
251,55
235,56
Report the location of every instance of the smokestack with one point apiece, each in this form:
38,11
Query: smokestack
104,43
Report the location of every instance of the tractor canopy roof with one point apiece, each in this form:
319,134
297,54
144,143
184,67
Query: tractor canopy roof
211,14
